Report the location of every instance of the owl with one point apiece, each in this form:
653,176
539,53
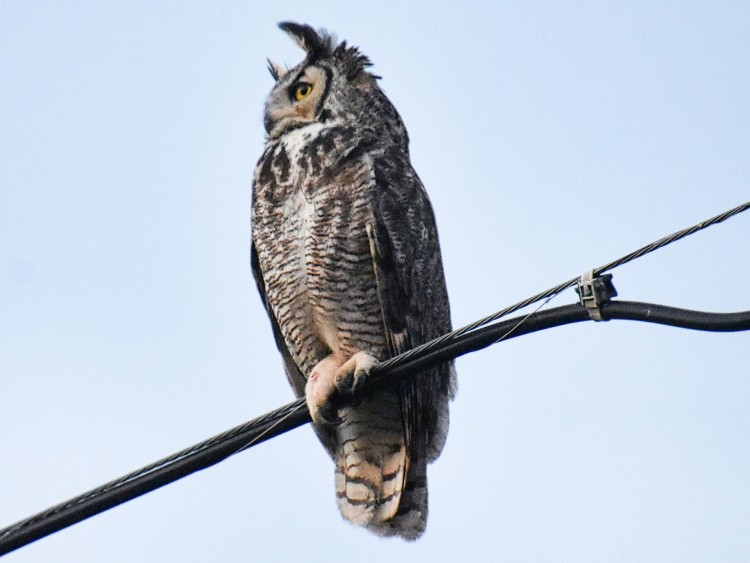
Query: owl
346,257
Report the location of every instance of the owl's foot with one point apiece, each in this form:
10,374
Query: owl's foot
329,377
319,389
351,377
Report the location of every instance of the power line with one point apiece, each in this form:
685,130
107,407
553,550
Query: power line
470,338
292,415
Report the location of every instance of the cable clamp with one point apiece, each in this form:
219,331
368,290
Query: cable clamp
594,292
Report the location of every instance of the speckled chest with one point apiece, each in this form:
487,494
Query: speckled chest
310,214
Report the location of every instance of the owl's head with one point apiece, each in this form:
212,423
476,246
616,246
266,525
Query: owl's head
330,84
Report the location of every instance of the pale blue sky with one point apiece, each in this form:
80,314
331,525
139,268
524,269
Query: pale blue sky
552,137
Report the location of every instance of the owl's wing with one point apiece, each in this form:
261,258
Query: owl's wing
413,295
296,379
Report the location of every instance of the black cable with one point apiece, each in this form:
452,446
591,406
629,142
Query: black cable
295,414
483,337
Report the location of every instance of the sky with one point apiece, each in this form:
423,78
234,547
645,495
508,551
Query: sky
552,137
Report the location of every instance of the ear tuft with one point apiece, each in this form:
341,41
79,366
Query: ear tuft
315,44
275,70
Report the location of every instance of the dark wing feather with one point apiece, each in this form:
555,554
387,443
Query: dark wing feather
413,295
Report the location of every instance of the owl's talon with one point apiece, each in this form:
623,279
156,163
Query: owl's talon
328,417
350,378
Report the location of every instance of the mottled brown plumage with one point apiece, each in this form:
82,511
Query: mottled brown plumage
346,257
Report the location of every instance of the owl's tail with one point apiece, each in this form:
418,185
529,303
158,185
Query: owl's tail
376,486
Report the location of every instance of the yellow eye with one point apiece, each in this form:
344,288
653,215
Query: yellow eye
301,90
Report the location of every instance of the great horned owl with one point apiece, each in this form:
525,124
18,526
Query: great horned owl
346,257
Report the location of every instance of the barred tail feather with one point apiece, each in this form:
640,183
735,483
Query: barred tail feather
375,486
369,492
410,520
